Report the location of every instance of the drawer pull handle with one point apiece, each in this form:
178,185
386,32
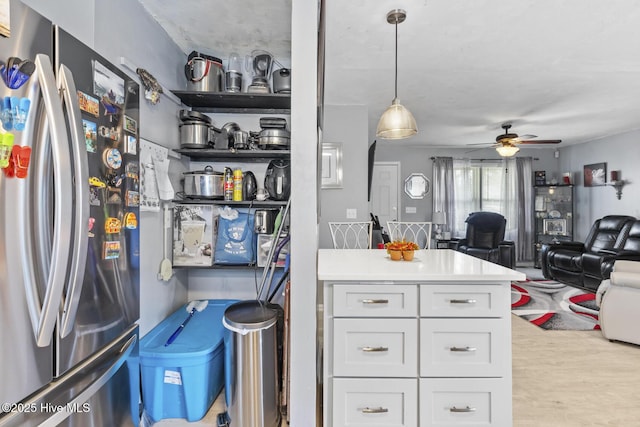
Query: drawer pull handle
462,301
463,349
378,410
467,409
374,349
375,301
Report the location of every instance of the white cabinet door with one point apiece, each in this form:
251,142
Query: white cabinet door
468,402
375,301
464,348
375,347
375,402
481,300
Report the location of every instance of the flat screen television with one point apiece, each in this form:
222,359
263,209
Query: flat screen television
372,159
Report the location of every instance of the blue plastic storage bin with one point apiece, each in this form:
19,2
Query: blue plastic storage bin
183,379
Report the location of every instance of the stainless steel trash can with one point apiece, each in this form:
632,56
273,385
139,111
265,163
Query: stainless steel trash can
251,365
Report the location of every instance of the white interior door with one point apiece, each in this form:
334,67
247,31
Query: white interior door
385,192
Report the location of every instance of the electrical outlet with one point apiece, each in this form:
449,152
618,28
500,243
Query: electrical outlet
352,213
410,209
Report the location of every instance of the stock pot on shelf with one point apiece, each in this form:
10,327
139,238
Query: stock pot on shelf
206,183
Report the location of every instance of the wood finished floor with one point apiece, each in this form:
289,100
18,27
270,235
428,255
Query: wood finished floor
573,378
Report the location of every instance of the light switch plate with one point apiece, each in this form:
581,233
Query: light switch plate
352,213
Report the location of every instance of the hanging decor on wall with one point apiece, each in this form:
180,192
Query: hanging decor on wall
595,174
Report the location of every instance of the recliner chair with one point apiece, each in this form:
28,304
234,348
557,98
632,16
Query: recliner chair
618,299
485,239
586,264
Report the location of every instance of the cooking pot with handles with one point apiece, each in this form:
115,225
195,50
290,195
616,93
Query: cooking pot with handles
204,73
206,183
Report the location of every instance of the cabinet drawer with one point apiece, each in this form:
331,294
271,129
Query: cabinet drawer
373,300
464,300
464,348
375,347
465,402
375,402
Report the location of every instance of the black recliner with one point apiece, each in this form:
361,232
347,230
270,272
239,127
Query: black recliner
586,264
485,239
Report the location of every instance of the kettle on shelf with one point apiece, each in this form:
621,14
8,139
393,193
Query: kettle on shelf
277,179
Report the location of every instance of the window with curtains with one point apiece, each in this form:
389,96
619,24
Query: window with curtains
462,186
478,186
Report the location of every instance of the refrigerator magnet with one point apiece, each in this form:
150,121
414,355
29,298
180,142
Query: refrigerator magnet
111,249
89,104
130,125
112,158
114,196
130,221
92,222
131,145
94,196
90,135
112,225
133,198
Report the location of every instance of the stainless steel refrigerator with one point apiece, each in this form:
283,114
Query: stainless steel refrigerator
69,246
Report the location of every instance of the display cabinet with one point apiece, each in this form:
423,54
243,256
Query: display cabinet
553,216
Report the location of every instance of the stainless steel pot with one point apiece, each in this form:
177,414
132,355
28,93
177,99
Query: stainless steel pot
206,183
195,134
274,139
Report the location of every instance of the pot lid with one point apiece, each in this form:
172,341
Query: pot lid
186,115
206,171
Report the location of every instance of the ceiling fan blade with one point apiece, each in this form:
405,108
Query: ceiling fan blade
488,144
542,141
523,138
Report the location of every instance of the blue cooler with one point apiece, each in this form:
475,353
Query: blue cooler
183,379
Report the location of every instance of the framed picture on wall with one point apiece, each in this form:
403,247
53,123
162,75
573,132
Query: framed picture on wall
595,174
331,165
540,177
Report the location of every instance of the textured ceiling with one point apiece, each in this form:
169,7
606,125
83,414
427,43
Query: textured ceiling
558,69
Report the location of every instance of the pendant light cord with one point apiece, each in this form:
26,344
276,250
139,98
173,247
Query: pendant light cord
396,73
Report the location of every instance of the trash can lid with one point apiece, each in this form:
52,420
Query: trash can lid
252,315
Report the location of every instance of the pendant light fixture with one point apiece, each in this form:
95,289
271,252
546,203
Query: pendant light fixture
396,122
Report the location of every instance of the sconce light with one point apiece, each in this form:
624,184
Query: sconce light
617,183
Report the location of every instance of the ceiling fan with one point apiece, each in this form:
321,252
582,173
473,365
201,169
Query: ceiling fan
507,143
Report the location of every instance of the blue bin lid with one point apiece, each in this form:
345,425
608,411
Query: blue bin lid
201,336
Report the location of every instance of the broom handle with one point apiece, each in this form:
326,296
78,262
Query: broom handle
175,334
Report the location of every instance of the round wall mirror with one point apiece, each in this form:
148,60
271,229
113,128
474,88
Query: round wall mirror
417,186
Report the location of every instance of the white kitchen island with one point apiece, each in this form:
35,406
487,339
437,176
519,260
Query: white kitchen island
415,343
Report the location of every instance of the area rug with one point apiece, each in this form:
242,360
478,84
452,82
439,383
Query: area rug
554,306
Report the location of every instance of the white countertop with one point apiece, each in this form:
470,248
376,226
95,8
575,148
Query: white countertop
427,265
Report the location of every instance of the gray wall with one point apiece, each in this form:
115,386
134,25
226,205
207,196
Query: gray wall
621,153
346,125
141,40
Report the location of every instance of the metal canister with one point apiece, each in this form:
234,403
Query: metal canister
228,184
237,185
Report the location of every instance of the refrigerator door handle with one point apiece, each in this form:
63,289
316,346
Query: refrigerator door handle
92,388
43,317
80,240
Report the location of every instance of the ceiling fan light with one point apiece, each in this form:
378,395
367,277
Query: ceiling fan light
507,150
396,122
